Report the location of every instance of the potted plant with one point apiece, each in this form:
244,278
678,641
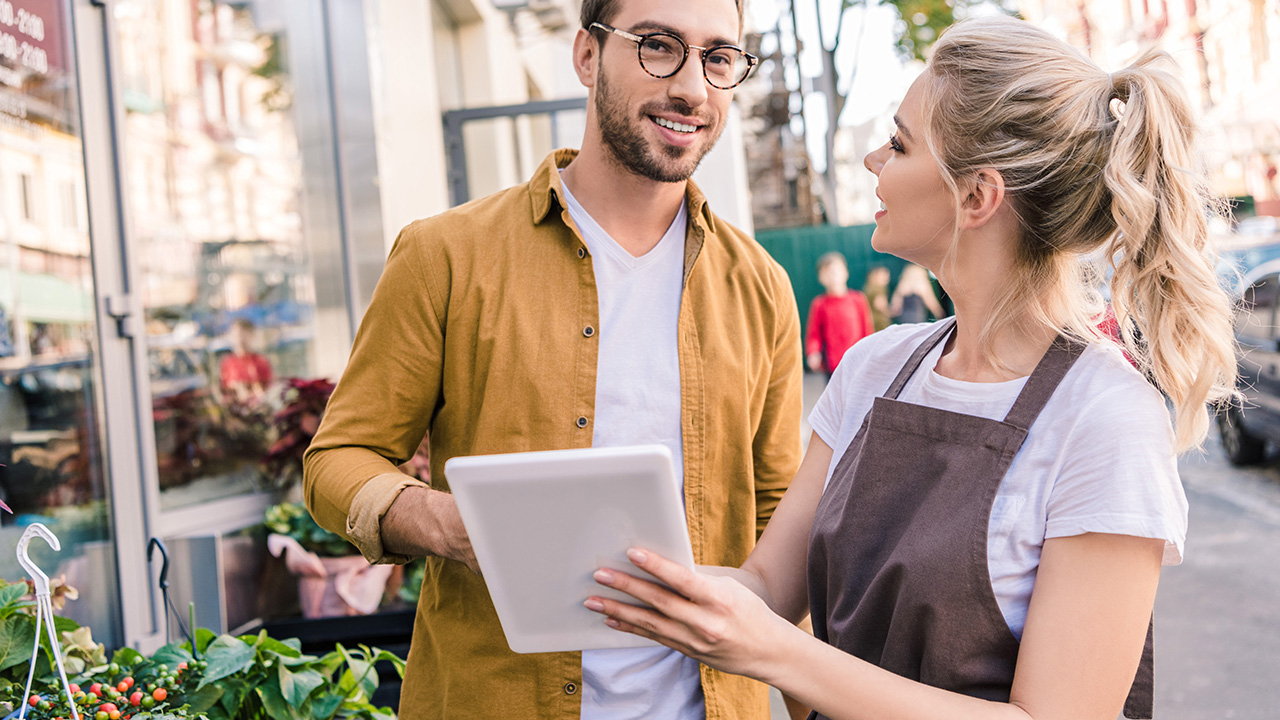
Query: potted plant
249,677
333,578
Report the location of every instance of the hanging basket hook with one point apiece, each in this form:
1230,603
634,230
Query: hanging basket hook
35,530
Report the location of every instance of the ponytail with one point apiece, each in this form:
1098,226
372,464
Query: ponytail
1164,284
1094,165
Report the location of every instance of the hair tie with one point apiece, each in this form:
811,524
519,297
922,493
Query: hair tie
1117,107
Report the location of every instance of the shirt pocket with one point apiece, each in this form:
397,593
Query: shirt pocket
1004,515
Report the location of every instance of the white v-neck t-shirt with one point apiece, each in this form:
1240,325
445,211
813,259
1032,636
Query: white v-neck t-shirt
638,401
1099,458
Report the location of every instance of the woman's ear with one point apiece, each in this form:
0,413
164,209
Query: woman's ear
985,198
586,57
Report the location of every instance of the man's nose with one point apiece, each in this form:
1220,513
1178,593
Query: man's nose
688,84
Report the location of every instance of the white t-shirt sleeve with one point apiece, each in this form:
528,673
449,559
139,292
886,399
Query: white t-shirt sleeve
1119,472
864,373
828,412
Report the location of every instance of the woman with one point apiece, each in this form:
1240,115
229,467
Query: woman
913,297
985,537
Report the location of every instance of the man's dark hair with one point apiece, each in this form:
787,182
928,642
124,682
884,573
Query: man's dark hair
603,11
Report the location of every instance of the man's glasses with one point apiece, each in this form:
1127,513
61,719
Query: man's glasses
663,54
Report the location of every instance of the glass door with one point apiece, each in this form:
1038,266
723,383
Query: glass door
229,233
51,439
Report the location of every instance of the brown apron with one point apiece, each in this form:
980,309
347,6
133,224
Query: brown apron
898,570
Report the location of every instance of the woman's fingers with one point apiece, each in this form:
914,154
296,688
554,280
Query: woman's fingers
665,601
678,577
641,621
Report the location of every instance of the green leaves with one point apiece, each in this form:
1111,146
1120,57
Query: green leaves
296,687
253,677
226,656
17,637
11,598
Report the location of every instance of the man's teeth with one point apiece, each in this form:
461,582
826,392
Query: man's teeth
678,127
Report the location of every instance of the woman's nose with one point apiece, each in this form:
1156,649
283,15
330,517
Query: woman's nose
874,160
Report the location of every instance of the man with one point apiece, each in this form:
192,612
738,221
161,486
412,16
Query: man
600,304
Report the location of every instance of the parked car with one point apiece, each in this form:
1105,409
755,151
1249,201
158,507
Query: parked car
1246,428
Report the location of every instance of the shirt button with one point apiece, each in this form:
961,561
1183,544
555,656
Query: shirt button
588,331
582,252
570,688
582,422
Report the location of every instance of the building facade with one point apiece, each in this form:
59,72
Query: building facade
1228,52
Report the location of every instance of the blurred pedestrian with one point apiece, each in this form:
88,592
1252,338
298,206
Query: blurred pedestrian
244,374
838,318
980,523
913,299
876,288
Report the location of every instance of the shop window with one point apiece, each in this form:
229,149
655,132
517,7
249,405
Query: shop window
50,418
238,284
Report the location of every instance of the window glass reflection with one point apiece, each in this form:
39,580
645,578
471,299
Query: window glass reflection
50,439
215,188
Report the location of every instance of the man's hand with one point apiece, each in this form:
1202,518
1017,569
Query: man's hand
423,521
814,361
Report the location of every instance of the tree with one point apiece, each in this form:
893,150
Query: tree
921,22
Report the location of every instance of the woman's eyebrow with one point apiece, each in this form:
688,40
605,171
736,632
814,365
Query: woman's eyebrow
898,121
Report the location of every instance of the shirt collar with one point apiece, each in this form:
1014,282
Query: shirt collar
547,191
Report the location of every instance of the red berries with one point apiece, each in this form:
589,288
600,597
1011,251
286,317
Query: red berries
160,694
136,698
33,700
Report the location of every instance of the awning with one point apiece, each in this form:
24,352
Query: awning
45,298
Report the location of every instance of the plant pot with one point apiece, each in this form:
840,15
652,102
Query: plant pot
351,587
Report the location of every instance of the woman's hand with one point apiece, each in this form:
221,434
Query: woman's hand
713,619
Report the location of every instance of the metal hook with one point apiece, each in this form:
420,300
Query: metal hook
155,544
37,575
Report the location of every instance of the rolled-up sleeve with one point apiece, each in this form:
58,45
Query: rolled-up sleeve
382,406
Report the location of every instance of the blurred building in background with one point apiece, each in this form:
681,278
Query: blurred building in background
782,188
1228,52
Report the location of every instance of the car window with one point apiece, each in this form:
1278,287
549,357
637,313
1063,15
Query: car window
1256,316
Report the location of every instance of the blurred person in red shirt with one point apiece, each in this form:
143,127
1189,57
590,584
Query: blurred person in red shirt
838,318
245,375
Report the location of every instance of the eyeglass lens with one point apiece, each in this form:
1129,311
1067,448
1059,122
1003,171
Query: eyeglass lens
662,55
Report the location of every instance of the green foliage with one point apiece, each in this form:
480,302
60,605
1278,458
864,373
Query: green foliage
293,520
251,677
924,20
18,635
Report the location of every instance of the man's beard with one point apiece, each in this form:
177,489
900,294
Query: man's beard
624,140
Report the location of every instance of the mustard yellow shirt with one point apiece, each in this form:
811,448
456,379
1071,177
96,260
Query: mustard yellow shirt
478,331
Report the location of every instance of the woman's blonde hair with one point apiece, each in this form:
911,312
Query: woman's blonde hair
1094,164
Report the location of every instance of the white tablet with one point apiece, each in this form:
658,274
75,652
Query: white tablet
542,522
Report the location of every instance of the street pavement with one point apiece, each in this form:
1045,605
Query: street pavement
1218,614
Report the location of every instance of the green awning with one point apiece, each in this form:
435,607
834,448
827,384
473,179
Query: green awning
45,298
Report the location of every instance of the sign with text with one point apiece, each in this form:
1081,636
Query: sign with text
34,89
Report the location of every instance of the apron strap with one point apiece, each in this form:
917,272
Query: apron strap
1062,354
944,328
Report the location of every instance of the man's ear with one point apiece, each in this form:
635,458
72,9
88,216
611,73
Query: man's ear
586,57
986,197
